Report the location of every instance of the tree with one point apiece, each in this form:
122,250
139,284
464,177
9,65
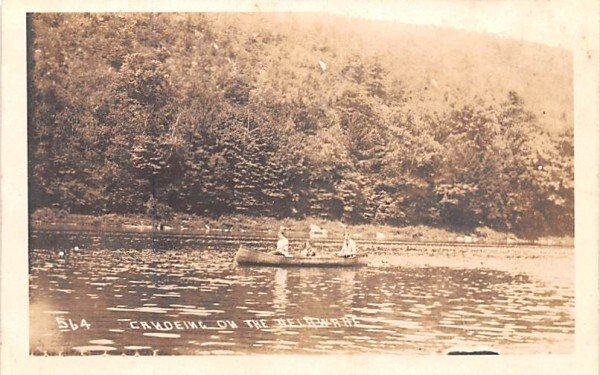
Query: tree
147,121
214,115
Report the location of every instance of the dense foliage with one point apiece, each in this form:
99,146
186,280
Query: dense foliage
214,114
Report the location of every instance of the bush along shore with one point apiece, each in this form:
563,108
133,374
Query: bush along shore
247,226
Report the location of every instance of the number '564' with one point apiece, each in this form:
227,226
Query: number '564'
70,324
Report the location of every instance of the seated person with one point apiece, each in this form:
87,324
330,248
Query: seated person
348,248
282,245
309,250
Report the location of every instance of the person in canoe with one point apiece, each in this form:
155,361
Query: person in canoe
309,250
348,248
283,245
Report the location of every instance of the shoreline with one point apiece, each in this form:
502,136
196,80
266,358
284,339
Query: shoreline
266,227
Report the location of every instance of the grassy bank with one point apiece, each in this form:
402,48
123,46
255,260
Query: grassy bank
314,227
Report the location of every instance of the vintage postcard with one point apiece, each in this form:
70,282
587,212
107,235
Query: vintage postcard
278,182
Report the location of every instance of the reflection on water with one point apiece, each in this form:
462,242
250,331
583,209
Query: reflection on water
195,302
280,300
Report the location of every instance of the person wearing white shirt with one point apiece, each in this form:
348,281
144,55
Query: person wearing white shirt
283,245
348,248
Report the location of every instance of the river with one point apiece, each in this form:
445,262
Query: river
192,300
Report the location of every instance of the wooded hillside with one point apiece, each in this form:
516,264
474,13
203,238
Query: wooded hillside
298,115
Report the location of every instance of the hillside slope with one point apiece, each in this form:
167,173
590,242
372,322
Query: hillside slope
298,115
438,65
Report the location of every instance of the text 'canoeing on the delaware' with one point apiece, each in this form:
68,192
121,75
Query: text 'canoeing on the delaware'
178,325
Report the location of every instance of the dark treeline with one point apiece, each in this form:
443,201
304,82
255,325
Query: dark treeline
190,114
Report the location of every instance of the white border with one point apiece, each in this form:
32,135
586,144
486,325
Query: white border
577,23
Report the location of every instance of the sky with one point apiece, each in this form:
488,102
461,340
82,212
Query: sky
556,23
551,22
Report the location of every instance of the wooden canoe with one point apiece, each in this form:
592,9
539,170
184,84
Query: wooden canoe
250,257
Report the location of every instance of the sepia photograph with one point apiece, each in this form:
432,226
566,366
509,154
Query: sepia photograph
296,183
328,187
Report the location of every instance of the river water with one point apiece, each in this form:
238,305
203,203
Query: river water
195,301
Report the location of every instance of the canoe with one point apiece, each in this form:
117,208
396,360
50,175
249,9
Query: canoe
250,257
